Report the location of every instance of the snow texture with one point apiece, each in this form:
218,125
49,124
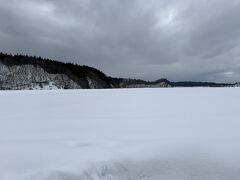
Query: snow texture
125,134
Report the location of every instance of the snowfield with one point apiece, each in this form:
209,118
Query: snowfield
125,134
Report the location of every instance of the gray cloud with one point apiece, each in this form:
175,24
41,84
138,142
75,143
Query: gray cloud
150,39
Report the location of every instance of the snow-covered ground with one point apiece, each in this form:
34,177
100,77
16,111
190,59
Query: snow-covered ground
127,134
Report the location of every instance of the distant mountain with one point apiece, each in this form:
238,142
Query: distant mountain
200,84
237,84
138,83
18,72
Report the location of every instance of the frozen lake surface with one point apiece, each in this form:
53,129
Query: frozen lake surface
125,134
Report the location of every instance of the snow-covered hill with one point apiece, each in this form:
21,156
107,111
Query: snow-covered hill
125,134
19,72
33,77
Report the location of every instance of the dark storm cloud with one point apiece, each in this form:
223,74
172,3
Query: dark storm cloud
150,39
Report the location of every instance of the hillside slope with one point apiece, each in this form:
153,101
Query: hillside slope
18,72
23,72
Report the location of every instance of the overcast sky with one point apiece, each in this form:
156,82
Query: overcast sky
149,39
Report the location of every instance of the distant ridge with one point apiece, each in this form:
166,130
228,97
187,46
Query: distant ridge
29,72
